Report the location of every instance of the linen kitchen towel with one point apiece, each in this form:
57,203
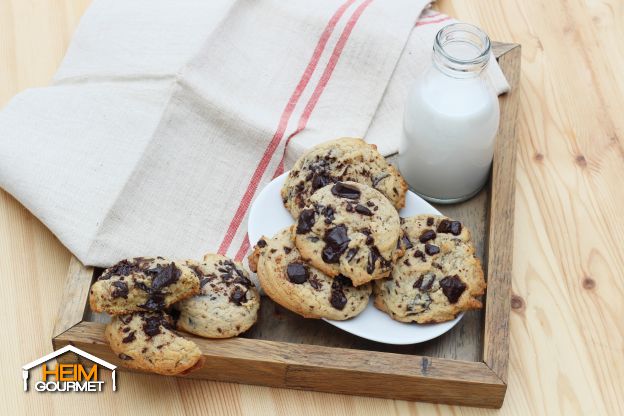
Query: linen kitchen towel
166,118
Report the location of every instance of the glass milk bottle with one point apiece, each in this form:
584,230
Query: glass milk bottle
451,119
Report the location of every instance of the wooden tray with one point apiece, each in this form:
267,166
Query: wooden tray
466,366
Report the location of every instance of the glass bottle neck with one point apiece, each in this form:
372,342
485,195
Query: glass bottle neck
461,50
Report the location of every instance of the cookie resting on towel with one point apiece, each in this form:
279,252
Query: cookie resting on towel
341,160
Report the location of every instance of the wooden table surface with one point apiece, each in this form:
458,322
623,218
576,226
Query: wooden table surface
567,322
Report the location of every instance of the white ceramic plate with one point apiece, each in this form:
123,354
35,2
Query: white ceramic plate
268,216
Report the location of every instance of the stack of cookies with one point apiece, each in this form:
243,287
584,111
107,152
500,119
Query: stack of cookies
349,242
213,298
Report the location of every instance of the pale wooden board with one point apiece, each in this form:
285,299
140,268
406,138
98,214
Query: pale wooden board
564,328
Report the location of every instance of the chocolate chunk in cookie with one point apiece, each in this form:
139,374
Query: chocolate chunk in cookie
453,287
343,190
449,226
297,273
306,221
336,242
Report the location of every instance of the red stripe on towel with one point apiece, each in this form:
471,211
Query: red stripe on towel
277,137
243,248
314,98
329,69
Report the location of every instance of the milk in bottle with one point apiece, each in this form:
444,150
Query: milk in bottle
451,119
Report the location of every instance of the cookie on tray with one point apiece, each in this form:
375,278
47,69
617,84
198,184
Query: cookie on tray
146,341
142,283
439,275
227,304
351,229
345,159
291,282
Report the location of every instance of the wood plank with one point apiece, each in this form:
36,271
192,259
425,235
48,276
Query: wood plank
75,297
501,48
336,370
499,250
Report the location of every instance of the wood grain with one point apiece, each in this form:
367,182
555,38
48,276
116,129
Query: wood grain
499,253
75,297
567,335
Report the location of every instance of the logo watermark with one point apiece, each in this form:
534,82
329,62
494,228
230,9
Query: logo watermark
68,377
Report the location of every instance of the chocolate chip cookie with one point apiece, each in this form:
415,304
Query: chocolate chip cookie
437,277
227,304
146,341
351,229
142,284
291,282
345,159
